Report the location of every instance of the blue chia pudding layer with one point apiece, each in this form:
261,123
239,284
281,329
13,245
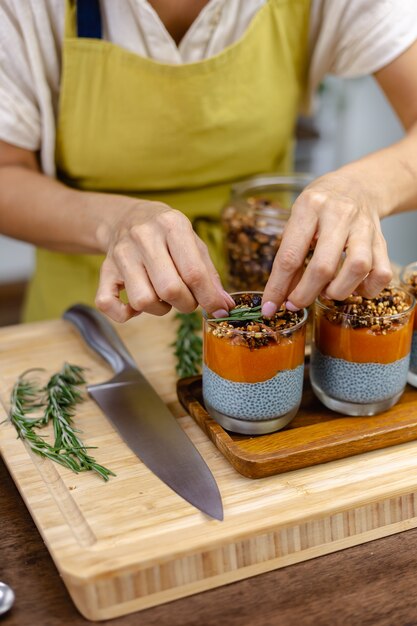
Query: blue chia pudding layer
413,356
254,401
358,382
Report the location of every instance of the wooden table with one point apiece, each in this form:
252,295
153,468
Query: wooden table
372,584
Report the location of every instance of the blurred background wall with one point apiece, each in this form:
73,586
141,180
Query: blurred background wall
16,260
352,118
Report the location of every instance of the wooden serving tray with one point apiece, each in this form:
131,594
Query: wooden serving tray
316,435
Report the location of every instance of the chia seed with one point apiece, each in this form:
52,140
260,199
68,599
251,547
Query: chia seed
358,382
254,401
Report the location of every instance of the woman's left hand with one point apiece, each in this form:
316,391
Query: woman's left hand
342,216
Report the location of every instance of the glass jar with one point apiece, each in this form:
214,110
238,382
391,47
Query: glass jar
408,279
253,378
360,352
253,223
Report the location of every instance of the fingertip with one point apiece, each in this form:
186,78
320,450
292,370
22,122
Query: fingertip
367,293
269,309
291,307
219,304
229,298
119,315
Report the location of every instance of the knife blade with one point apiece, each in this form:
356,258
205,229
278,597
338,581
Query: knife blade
142,418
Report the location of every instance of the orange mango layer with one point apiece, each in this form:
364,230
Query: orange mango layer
242,365
361,345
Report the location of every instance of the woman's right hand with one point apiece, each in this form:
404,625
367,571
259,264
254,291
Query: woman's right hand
151,249
153,253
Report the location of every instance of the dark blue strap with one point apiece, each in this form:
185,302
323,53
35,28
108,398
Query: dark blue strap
88,19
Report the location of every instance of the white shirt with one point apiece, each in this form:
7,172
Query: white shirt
347,38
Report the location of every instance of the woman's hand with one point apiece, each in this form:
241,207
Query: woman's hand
340,215
341,210
153,252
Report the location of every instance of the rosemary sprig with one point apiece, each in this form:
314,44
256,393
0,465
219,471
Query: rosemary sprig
58,399
188,344
241,314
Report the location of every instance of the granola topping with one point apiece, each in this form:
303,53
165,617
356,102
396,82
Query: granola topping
374,314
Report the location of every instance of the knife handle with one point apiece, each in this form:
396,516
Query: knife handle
100,335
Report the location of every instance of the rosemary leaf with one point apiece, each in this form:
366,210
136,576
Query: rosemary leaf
58,399
241,314
188,344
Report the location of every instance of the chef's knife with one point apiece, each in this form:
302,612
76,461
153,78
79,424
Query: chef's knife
142,419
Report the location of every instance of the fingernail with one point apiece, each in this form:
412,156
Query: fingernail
221,313
291,307
269,309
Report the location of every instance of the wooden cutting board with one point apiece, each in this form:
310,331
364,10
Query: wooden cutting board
132,543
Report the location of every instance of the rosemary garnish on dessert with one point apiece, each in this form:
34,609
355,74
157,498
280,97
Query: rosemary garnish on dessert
245,324
33,406
241,314
188,344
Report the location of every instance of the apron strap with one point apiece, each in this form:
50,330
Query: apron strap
88,19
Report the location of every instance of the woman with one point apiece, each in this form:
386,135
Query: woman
119,121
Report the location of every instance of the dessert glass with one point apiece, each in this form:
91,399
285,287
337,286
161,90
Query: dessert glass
253,377
408,279
361,351
253,223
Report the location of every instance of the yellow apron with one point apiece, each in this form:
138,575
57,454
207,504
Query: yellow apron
180,134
